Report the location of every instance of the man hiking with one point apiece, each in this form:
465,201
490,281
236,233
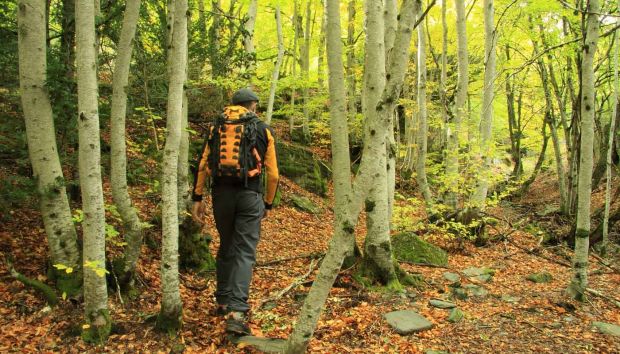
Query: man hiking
239,157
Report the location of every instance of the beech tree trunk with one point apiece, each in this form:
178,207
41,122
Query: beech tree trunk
305,69
579,282
40,132
377,262
452,158
320,62
422,133
97,315
444,73
350,69
276,70
486,120
391,23
118,163
170,316
297,23
345,218
248,38
610,146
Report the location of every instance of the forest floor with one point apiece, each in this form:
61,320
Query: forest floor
517,316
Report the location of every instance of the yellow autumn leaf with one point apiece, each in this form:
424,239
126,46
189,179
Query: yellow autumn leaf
85,326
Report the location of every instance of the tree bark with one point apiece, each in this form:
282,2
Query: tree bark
345,218
40,133
610,145
95,290
549,117
579,282
377,261
118,173
248,38
513,128
320,64
350,68
391,24
170,316
452,159
444,73
422,133
486,119
305,72
276,70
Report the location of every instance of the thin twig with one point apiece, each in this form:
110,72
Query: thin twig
294,284
606,297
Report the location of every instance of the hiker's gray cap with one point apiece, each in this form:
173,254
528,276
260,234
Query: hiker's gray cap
244,95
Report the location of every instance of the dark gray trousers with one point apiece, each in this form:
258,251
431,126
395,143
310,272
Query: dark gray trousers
238,212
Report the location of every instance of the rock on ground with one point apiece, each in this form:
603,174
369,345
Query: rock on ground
406,322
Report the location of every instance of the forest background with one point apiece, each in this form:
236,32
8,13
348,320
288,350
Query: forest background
469,147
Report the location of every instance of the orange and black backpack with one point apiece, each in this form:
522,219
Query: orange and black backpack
233,157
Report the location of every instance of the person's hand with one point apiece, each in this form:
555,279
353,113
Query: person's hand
198,210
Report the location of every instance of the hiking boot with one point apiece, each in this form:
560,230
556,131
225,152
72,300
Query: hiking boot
222,310
237,323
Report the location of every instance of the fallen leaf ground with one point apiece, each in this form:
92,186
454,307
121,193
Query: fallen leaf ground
540,320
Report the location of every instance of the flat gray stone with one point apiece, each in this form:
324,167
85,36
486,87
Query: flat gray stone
476,271
511,299
456,315
406,321
460,293
452,277
476,290
483,278
266,345
441,304
607,328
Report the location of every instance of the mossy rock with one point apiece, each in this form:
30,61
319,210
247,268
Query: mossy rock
411,248
301,165
541,277
305,204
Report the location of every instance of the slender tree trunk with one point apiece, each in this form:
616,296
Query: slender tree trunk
320,65
297,19
452,160
541,159
578,284
248,38
305,68
550,119
610,146
377,261
345,218
120,193
95,290
170,316
513,129
276,70
40,132
422,134
444,74
391,24
486,119
352,101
